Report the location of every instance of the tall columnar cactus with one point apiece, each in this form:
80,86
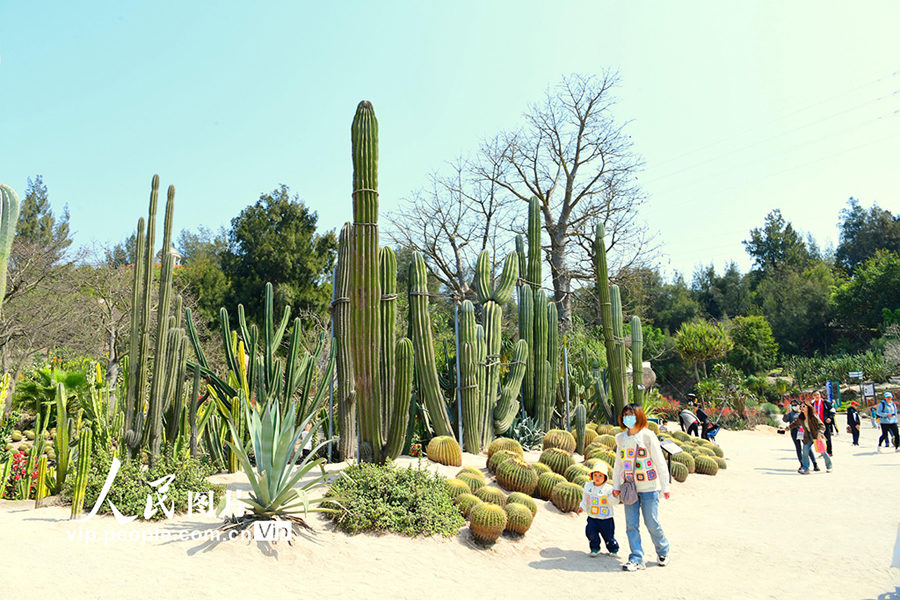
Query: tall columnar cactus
615,297
553,354
637,360
542,400
388,277
526,333
9,218
470,399
40,486
340,314
81,472
61,440
169,351
507,405
614,365
580,427
426,368
534,242
365,288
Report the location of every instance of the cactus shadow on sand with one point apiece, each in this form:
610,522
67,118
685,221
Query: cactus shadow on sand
557,559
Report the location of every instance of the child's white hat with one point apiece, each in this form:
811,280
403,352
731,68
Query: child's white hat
600,467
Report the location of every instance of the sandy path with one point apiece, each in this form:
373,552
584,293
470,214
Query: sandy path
757,530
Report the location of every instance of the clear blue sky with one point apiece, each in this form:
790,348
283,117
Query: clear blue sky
737,108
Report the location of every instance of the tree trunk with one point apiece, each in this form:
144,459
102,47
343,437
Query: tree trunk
112,370
562,284
696,373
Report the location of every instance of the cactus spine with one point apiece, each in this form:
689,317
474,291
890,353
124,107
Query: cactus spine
344,358
616,376
365,289
9,218
637,360
81,472
426,368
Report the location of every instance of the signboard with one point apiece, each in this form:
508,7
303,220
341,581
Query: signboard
857,374
670,447
869,390
828,389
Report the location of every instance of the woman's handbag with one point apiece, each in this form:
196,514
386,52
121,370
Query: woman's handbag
849,430
628,492
821,447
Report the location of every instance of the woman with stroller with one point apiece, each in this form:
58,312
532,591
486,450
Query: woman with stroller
813,430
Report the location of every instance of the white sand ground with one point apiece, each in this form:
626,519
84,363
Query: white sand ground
756,530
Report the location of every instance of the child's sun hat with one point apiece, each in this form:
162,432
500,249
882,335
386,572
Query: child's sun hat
600,467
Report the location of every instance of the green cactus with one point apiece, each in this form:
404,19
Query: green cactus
546,483
429,388
614,365
387,268
637,362
492,495
483,288
445,450
516,475
522,256
581,480
503,292
542,400
559,438
553,359
681,436
9,218
581,431
679,472
524,499
487,522
474,483
541,468
507,405
576,470
466,502
498,458
526,333
557,459
456,487
471,412
472,471
82,471
40,485
401,399
720,462
686,459
619,333
566,496
493,315
61,441
518,518
534,242
706,465
340,316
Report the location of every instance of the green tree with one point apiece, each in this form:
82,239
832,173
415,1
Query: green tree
865,232
37,223
860,302
776,245
754,348
201,269
275,241
796,304
701,341
722,296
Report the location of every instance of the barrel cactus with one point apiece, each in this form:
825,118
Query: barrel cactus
466,502
707,451
559,438
457,487
607,440
574,471
557,459
505,444
523,499
581,480
472,470
487,522
720,462
518,518
653,427
589,436
717,451
499,458
706,465
541,468
681,436
566,496
686,459
492,495
16,436
679,471
474,482
445,450
595,451
547,482
516,475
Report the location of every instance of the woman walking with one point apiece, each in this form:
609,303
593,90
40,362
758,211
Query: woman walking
853,422
640,459
813,430
887,413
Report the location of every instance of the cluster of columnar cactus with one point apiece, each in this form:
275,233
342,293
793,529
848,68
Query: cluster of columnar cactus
340,318
82,471
614,350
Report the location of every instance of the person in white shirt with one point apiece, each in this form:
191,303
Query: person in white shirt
639,458
597,501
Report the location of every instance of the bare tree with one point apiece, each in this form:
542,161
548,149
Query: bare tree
575,157
452,221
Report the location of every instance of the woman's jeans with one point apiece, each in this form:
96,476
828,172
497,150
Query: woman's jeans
799,446
648,504
807,452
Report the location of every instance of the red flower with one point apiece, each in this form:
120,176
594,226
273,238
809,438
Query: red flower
18,477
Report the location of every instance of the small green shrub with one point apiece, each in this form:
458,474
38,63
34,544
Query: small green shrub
131,486
387,499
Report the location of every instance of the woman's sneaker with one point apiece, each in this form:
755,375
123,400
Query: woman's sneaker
803,471
663,560
633,566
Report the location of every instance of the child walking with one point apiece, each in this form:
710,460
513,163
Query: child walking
597,501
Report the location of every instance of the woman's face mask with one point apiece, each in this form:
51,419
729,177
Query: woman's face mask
629,421
795,407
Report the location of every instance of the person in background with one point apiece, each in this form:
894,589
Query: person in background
813,429
825,412
887,413
704,422
853,422
687,419
797,434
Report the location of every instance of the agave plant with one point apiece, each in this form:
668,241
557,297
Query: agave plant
274,439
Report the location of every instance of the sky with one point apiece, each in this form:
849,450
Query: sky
736,108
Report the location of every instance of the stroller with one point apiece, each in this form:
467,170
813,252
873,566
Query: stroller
712,431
